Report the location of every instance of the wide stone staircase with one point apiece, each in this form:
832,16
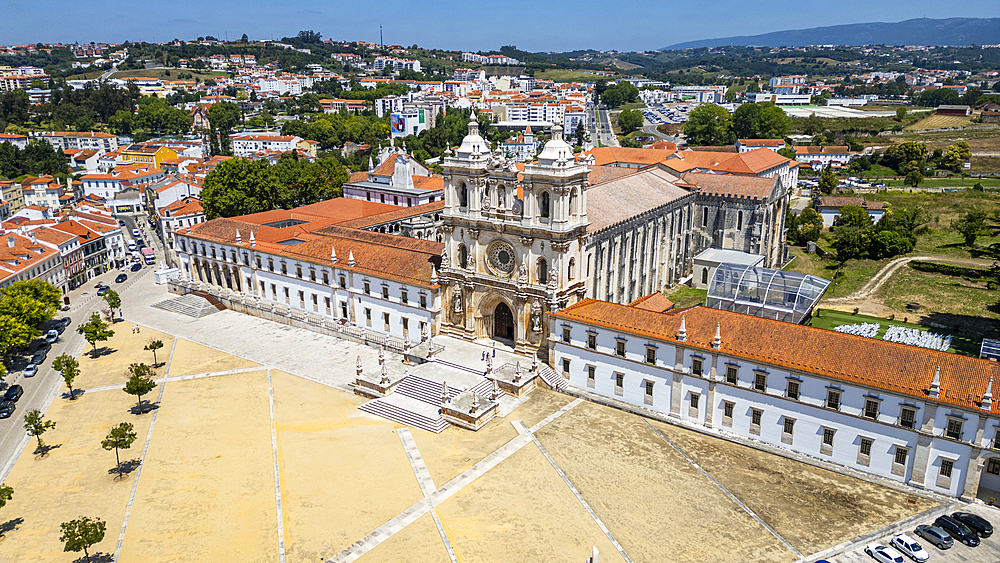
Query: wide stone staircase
553,379
416,402
191,305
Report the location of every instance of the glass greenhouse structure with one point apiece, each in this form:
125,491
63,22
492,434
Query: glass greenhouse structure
771,294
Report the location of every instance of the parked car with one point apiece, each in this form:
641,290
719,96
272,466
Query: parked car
104,289
13,393
883,554
121,278
135,233
51,336
980,525
909,547
39,357
6,409
31,370
136,267
60,328
957,530
65,321
43,346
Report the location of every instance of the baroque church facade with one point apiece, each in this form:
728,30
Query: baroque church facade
522,243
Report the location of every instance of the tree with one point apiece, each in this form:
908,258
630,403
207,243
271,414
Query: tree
708,124
95,330
579,133
629,120
955,156
121,437
812,124
971,226
886,244
139,382
153,345
850,243
6,493
69,367
36,425
239,187
898,156
787,152
900,113
828,182
32,301
244,39
761,121
913,178
82,533
113,300
809,225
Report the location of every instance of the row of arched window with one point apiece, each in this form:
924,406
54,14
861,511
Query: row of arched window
544,204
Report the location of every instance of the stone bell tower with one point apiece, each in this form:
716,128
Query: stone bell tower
513,241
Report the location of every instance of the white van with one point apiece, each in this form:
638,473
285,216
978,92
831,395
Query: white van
135,233
131,245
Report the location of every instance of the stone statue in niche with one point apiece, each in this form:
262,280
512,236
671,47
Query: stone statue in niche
536,316
553,281
522,273
457,302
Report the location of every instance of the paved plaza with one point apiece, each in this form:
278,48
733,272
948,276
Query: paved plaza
255,450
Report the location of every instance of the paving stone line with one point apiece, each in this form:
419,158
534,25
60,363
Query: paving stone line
724,490
277,478
424,478
426,483
522,429
142,458
408,516
174,378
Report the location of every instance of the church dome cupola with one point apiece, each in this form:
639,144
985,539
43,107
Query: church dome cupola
557,152
473,145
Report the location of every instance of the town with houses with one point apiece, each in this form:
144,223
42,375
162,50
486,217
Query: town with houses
470,244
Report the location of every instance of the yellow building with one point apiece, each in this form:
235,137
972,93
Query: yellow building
147,154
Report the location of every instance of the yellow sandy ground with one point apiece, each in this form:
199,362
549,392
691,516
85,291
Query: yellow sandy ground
194,358
73,481
111,368
811,508
453,451
207,488
343,472
419,542
653,501
521,511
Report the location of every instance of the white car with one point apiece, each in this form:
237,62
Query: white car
30,370
883,554
910,548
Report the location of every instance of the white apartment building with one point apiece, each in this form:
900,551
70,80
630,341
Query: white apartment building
246,144
396,64
85,140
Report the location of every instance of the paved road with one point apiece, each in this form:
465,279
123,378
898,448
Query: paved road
40,390
987,552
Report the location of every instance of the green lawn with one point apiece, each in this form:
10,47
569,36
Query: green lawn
945,183
844,279
830,319
633,105
684,296
565,75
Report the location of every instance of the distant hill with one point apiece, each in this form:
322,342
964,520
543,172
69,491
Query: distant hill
922,31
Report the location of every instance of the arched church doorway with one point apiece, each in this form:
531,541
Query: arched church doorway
503,322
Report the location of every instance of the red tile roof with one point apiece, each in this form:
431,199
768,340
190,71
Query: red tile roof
889,366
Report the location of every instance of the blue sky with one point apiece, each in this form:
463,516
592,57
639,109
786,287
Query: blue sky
546,25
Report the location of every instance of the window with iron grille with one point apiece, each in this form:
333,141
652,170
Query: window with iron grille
833,399
946,466
565,334
907,417
789,426
793,390
828,436
866,446
696,366
650,355
592,341
620,348
900,458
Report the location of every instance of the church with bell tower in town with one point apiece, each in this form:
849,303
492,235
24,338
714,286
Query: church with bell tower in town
513,241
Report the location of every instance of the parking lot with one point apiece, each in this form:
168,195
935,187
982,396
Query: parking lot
986,552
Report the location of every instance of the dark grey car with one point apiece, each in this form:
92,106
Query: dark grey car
13,393
958,530
935,536
7,409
